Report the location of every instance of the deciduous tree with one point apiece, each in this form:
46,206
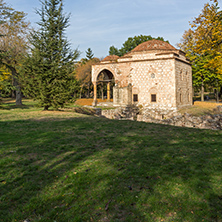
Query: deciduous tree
5,82
131,43
13,44
83,74
203,45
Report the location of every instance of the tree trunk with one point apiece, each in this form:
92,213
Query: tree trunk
202,91
18,93
18,96
102,91
46,108
80,93
13,91
88,93
220,93
217,96
217,93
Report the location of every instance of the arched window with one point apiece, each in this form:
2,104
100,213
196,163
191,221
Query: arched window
181,74
153,95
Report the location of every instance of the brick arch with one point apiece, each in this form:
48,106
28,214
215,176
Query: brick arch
106,75
96,74
153,90
153,94
188,96
135,90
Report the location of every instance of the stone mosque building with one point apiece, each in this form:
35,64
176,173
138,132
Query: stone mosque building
155,75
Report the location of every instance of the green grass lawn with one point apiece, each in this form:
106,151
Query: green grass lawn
64,166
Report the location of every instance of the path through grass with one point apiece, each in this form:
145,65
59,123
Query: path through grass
63,166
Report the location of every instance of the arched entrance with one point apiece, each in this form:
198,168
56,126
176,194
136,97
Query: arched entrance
105,82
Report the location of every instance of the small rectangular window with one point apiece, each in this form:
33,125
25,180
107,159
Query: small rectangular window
153,97
135,97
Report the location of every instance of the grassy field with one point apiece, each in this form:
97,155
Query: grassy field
64,166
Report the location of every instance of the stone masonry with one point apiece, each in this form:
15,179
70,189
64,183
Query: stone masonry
210,121
154,75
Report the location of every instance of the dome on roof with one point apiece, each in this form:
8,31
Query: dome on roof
153,45
110,58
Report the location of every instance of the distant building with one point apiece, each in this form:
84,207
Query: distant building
154,74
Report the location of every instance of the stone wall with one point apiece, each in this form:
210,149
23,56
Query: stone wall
155,77
129,112
187,120
183,84
166,117
122,96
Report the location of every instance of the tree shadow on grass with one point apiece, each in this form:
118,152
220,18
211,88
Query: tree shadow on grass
11,105
77,109
91,169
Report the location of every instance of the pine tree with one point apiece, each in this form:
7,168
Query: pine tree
89,54
48,71
114,51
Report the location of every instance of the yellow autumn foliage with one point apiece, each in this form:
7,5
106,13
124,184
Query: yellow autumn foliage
207,31
203,46
4,75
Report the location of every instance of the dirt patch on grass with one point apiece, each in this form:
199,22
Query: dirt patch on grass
201,108
88,102
207,105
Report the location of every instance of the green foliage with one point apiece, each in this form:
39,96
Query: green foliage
200,72
13,46
49,71
202,44
5,13
89,54
114,51
131,43
6,86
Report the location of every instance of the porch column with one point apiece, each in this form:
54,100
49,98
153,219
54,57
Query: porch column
102,91
108,92
95,94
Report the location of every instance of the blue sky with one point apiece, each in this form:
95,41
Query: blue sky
98,24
